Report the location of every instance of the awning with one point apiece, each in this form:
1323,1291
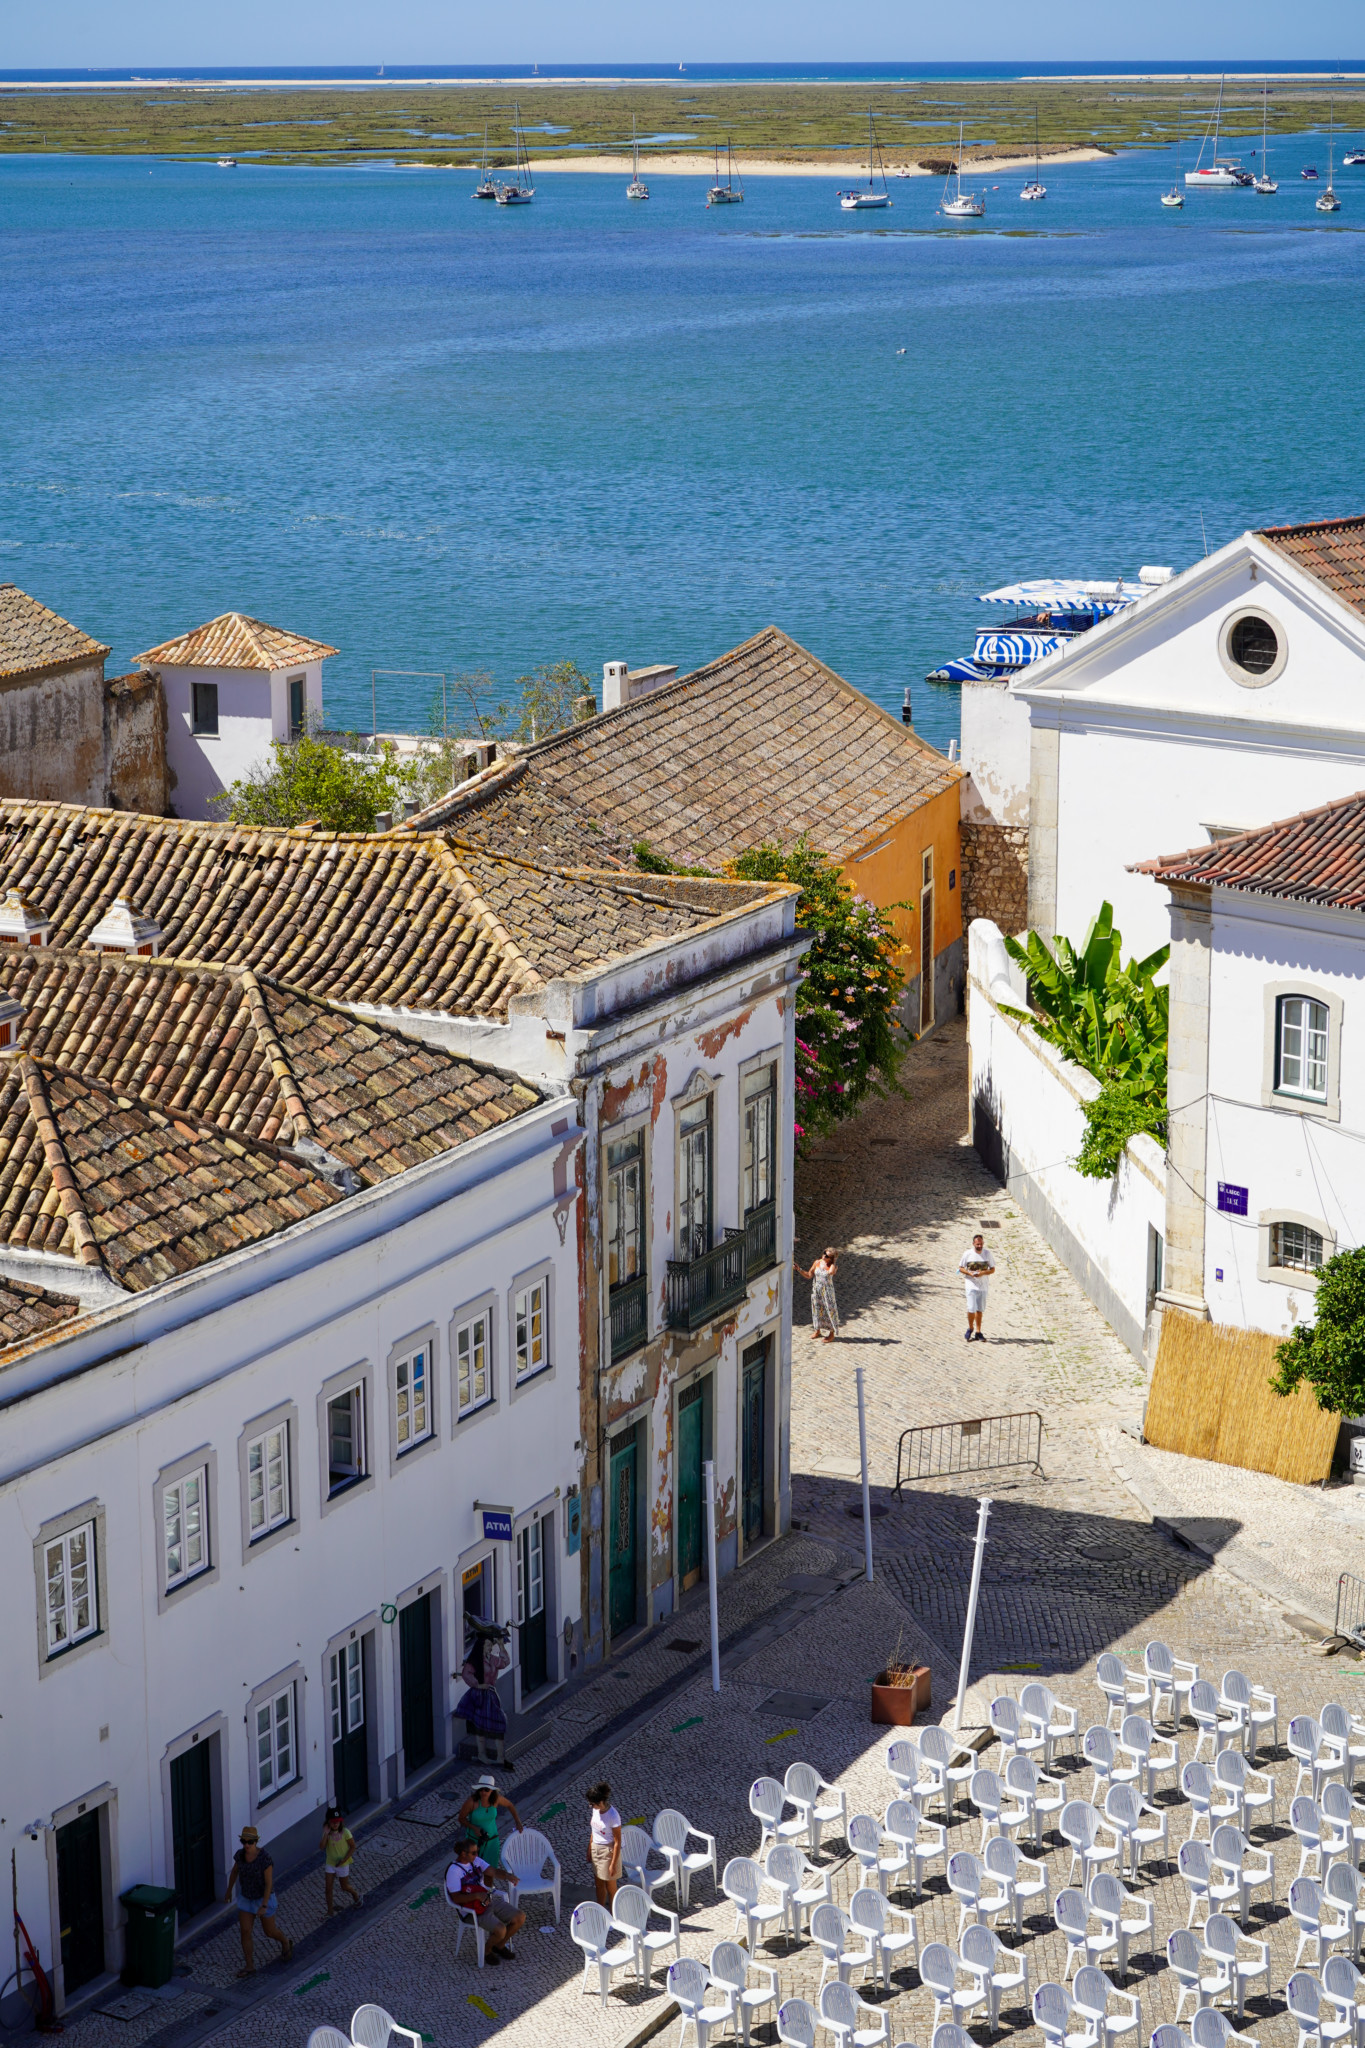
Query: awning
1100,598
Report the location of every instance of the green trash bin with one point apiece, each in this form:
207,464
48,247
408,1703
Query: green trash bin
149,1938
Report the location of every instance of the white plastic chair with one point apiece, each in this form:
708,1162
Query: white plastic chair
1234,1774
1139,1740
637,1846
966,1881
944,1764
1139,1824
1121,1915
1053,2010
997,1969
1221,1946
902,1760
1346,1812
840,2009
1004,1717
672,1833
632,1910
1092,1992
865,1840
1339,1726
1317,1844
818,1803
1196,1782
938,1973
1072,1915
1231,1854
1260,1709
1186,1962
371,2027
1044,1797
1101,1753
797,2020
1081,1827
1121,1691
1319,1920
802,1886
1318,1757
688,1985
1218,1726
1025,1878
592,1928
1168,2036
832,1931
947,2034
1344,1889
1343,1987
1170,1677
987,1795
767,1803
1303,1997
902,1826
1210,2028
1194,1863
525,1857
729,1971
1057,1722
742,1882
869,1911
328,2037
465,1916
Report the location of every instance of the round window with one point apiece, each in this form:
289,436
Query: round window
1254,644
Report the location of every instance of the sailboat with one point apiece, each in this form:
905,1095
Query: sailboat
521,191
1035,188
1175,197
732,191
963,205
1221,173
636,189
485,189
863,196
1327,202
1263,182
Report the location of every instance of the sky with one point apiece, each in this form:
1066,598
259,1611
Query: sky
164,33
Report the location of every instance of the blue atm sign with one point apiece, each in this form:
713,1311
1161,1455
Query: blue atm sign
497,1525
1231,1200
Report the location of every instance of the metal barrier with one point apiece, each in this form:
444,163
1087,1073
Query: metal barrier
1350,1621
988,1443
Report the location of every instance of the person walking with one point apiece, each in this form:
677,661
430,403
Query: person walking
824,1309
479,1816
976,1269
338,1852
253,1875
469,1883
604,1843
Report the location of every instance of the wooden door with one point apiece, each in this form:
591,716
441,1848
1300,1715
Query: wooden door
414,1657
690,1526
531,1643
80,1900
621,1536
926,957
350,1742
754,1414
192,1829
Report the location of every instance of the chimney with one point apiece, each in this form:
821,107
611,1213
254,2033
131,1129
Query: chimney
383,821
615,685
11,1015
122,930
907,714
21,924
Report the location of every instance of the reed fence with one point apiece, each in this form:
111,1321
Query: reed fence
1210,1398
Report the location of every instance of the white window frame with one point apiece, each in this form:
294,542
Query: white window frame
1328,1105
700,1095
530,1346
760,1063
290,1682
352,1398
424,1342
543,1276
1290,1276
269,1522
178,1490
356,1379
284,1416
60,1546
531,1536
345,1678
482,1309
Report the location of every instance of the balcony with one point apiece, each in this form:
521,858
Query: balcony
760,1236
629,1317
700,1289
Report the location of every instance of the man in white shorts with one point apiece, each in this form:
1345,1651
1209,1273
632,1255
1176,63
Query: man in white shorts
976,1270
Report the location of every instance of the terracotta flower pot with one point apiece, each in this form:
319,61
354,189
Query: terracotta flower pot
896,1704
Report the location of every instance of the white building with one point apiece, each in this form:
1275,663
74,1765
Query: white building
1267,1125
283,1315
231,687
1229,697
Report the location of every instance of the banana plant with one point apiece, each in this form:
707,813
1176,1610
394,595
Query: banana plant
1111,1019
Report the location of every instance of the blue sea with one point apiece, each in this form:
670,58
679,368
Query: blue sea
449,437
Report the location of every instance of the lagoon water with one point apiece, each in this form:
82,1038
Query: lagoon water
447,436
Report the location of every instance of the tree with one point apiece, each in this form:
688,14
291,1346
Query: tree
309,778
553,696
1329,1353
1110,1019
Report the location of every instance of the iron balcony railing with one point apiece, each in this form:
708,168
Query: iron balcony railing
760,1235
701,1288
629,1317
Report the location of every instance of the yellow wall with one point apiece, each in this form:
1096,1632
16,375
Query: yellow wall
888,871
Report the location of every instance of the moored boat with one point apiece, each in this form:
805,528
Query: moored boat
1327,201
485,189
731,192
1263,182
861,197
963,205
637,188
1035,188
520,192
1220,173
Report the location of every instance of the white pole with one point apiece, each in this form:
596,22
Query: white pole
983,1515
867,1492
709,1475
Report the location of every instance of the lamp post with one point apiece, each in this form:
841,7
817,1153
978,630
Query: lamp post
867,1491
709,1476
983,1515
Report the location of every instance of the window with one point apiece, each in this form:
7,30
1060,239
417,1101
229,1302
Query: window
184,1527
477,1598
267,1482
1301,1047
345,1439
412,1388
472,1383
296,707
694,1180
530,1573
530,1348
625,1210
346,1688
72,1597
276,1750
1296,1245
1253,644
760,1129
204,711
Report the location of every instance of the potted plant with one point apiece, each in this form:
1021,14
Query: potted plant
900,1691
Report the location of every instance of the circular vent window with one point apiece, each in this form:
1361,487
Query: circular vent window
1253,648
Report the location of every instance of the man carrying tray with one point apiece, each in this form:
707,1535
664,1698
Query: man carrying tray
976,1270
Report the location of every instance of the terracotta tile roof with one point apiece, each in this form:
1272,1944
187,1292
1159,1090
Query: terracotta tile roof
240,1053
1333,550
1316,857
391,919
235,641
765,743
33,639
515,810
32,1311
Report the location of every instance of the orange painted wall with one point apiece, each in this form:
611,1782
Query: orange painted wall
888,871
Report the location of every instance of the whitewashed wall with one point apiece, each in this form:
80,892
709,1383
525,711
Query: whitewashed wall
995,752
253,710
1027,1125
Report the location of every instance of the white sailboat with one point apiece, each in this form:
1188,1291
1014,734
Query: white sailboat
1175,198
1327,202
636,189
485,189
521,191
1221,173
963,205
1263,181
1035,188
864,196
731,192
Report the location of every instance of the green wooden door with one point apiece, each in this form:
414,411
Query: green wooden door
80,1900
414,1658
690,1527
754,1406
192,1830
621,1536
350,1742
531,1624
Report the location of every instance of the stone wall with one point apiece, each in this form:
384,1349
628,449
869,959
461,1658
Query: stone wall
995,874
52,735
135,744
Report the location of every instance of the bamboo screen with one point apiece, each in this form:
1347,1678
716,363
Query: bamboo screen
1210,1398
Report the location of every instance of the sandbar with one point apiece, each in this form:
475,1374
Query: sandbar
847,167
